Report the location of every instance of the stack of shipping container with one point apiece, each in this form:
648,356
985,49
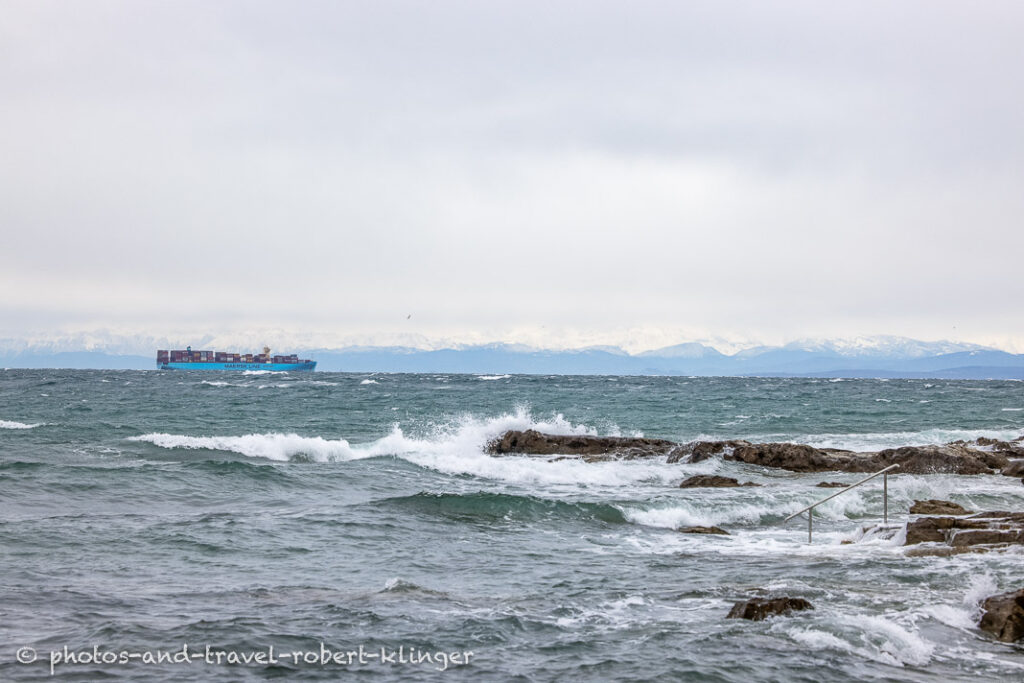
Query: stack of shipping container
179,356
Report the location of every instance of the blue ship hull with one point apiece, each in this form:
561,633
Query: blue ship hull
272,367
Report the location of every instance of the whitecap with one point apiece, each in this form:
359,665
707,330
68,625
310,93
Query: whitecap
270,446
872,637
456,447
9,424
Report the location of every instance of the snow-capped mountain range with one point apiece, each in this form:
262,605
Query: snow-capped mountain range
882,356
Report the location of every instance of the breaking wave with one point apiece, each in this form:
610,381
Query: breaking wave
9,424
875,638
456,448
270,446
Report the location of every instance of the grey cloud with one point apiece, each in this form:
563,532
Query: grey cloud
765,169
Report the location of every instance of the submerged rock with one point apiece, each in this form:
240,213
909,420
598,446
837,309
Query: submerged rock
1004,616
703,530
712,480
937,507
757,609
831,485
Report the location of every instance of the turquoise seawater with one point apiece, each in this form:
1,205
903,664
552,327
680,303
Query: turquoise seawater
146,511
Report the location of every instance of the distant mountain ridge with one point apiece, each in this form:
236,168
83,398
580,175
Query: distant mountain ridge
861,357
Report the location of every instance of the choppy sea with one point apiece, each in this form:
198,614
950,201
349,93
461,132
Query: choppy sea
147,512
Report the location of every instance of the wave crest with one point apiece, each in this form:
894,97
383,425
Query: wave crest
282,447
10,424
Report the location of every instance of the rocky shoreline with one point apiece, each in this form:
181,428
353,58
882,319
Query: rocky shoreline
1002,615
941,528
981,456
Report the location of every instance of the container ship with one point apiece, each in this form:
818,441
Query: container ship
188,359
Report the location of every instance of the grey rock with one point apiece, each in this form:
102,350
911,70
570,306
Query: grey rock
703,530
1004,616
937,507
757,609
712,480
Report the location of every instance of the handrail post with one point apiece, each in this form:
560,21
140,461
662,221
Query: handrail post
885,498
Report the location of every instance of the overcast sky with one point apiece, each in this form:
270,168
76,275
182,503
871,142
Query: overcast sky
557,173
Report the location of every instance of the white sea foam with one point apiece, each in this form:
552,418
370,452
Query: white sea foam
369,381
704,512
880,440
454,448
269,446
458,448
493,377
9,424
980,587
260,372
871,637
458,445
718,507
466,436
614,613
950,616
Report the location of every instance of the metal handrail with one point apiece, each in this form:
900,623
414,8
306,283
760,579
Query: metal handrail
885,498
